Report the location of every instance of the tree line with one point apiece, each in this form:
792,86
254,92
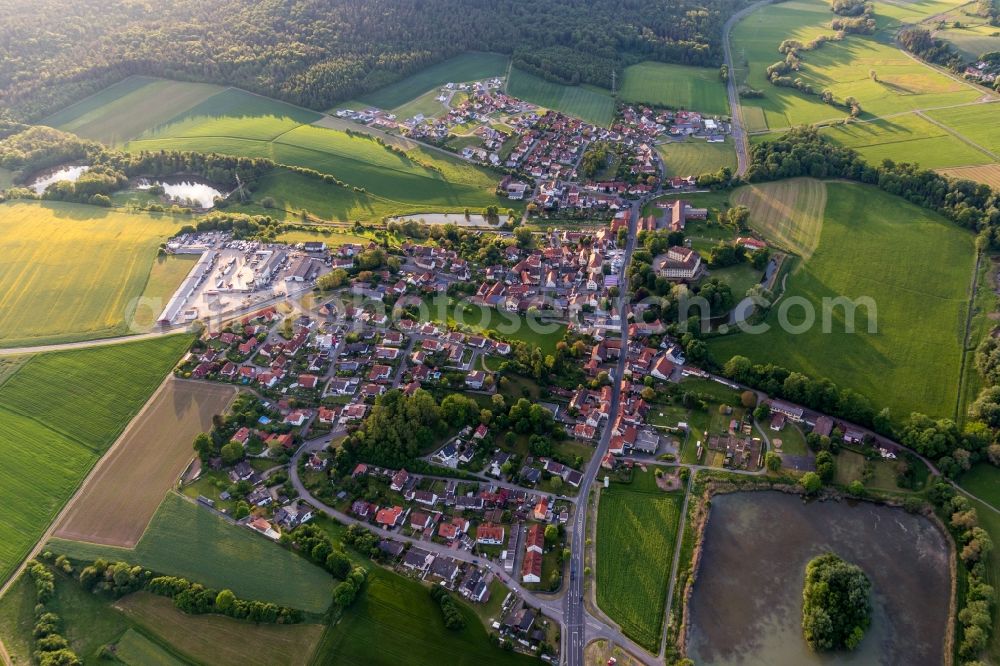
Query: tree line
37,148
317,52
804,152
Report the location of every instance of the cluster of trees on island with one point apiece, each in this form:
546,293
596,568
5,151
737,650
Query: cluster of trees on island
318,52
836,608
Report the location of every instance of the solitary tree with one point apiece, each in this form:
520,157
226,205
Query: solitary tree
772,461
811,482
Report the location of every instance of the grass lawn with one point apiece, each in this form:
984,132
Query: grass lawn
675,86
910,138
788,213
73,272
739,277
129,108
715,390
403,608
636,523
850,466
793,442
331,236
695,157
591,104
983,481
427,105
187,540
58,413
868,246
471,66
842,67
510,326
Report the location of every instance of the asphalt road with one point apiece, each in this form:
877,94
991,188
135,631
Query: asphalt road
574,626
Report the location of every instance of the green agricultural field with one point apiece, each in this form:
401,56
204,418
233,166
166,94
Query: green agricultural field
90,395
909,138
148,629
675,86
788,212
187,540
135,649
129,108
979,124
421,180
471,66
234,113
693,158
58,413
972,40
294,192
165,275
843,67
73,272
220,640
421,175
403,608
6,178
636,523
869,243
591,104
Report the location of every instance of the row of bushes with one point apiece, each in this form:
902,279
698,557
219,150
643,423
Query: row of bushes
453,618
976,614
120,578
51,648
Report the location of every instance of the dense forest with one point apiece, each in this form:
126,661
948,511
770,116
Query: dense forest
318,52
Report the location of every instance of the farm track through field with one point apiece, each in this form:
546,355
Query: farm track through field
678,547
960,137
963,368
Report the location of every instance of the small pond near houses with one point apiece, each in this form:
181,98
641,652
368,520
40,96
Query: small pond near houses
746,606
